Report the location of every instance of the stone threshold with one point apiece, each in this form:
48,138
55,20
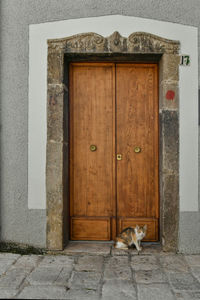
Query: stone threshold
105,249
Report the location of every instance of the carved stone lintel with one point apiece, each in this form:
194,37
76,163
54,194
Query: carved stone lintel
142,42
117,43
138,42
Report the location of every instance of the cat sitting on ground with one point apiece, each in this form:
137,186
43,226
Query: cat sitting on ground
131,236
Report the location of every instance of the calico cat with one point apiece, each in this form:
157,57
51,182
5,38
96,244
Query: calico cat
131,236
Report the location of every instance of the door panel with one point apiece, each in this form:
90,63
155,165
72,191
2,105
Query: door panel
92,190
152,226
90,228
137,126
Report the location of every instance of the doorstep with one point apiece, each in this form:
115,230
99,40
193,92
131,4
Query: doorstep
105,249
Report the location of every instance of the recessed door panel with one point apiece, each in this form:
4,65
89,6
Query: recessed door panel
137,142
92,100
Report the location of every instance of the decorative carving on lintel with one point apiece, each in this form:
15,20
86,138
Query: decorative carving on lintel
138,42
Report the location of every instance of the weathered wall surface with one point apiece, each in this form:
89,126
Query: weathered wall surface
17,222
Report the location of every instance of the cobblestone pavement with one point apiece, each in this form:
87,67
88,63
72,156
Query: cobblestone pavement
97,271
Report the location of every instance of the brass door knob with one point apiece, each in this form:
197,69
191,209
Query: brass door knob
137,149
93,148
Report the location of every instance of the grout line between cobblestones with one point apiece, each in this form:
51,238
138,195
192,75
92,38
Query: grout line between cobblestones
10,266
166,275
25,282
69,282
134,283
101,282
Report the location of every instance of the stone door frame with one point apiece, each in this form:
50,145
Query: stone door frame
138,46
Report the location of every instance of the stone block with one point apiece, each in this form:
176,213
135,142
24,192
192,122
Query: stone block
168,100
174,264
154,291
118,290
54,230
55,113
169,68
89,263
118,268
54,188
144,262
44,275
170,212
43,292
54,169
55,67
184,281
170,131
150,276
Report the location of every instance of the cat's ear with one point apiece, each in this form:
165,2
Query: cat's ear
145,227
137,227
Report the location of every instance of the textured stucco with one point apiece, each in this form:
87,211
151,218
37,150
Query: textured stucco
16,15
189,241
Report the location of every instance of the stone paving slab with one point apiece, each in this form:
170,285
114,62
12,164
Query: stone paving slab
118,290
193,260
5,265
6,261
44,275
187,295
150,276
27,262
89,263
8,293
9,256
196,272
82,293
108,275
174,264
118,268
86,280
142,262
13,278
56,260
184,281
155,292
43,292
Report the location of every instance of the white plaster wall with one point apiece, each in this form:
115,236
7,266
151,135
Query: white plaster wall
38,35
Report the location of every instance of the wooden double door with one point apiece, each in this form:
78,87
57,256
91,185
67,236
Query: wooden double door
113,149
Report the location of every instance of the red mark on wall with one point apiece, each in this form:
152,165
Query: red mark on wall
170,95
